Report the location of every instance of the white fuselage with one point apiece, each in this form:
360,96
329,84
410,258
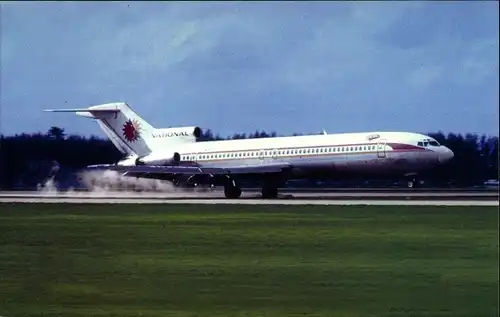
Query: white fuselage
371,152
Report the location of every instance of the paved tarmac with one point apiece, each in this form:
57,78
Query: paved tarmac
252,198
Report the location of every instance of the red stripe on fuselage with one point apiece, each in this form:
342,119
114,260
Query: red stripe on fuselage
405,147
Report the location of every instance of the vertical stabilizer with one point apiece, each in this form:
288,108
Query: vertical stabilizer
130,133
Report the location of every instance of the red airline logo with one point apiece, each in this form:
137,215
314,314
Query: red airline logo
131,130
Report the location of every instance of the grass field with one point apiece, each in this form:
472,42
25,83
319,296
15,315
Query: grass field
186,260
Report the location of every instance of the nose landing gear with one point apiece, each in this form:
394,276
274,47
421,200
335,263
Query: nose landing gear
411,183
414,183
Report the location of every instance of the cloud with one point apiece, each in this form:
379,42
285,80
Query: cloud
241,66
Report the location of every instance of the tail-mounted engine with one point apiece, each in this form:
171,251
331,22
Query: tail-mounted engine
159,159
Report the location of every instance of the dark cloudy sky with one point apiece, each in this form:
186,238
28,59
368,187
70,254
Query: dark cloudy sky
236,67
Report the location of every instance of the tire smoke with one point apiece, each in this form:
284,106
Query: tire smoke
100,183
113,181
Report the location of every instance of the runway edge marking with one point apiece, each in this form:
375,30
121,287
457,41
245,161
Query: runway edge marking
253,202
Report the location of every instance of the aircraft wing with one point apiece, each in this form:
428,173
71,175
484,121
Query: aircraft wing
193,170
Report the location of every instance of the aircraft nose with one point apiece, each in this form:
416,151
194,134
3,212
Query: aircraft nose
445,154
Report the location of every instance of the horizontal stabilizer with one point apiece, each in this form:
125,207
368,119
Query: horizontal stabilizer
83,110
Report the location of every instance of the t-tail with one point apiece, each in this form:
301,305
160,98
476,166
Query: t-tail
130,133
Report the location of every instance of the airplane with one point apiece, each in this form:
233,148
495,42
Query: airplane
174,154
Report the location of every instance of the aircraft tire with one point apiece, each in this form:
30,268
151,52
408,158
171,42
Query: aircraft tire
269,192
176,182
232,192
412,183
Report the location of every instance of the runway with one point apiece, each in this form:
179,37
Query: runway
252,198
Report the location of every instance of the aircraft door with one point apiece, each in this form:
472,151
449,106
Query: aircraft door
381,149
275,154
261,155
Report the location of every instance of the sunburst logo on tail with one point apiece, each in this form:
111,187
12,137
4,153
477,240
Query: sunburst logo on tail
131,130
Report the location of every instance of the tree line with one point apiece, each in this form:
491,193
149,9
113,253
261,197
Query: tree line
26,158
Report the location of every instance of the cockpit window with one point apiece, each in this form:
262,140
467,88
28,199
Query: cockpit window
427,142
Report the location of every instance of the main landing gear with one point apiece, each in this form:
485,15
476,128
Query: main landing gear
269,191
270,186
231,190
